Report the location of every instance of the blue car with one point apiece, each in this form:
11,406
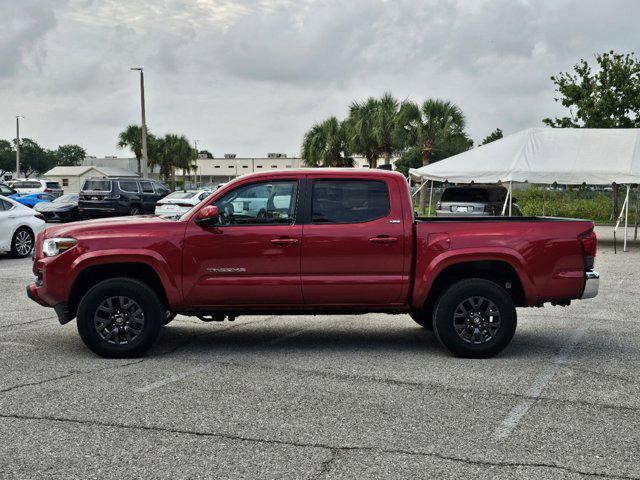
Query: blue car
31,199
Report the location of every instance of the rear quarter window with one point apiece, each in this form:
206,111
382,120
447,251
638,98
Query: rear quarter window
97,185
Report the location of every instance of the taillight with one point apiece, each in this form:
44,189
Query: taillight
438,206
589,242
40,216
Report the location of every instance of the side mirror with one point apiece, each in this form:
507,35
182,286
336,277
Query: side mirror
208,216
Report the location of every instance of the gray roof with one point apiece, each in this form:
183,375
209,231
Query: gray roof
81,170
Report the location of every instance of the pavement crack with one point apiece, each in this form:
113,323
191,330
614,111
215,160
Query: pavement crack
336,450
73,373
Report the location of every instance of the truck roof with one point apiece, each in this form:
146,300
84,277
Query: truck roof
362,172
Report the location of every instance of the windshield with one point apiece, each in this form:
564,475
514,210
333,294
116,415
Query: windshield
180,195
97,185
66,199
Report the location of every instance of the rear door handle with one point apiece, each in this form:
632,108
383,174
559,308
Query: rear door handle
383,239
284,241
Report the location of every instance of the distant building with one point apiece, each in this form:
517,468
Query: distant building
72,178
123,163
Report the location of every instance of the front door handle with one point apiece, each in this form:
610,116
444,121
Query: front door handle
284,241
383,239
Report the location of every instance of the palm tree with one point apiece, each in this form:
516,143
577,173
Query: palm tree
385,126
325,145
430,127
360,131
131,137
170,152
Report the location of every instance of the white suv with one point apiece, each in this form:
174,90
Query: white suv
19,226
38,186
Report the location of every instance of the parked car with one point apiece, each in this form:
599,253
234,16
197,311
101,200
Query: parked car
6,190
346,241
100,197
32,199
37,186
474,200
178,203
63,209
19,226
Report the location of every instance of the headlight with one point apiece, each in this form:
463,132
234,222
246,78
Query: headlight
55,246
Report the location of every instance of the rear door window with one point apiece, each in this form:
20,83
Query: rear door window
128,186
97,185
349,201
27,185
147,187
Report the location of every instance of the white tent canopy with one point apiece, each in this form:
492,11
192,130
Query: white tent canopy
569,156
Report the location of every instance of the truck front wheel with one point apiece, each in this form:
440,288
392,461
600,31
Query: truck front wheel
120,318
475,318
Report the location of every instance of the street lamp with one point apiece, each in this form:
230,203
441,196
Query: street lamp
145,156
18,117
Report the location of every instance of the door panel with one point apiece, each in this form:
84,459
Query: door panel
252,257
357,263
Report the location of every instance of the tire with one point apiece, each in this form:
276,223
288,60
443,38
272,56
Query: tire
466,325
112,334
169,316
423,317
135,210
22,243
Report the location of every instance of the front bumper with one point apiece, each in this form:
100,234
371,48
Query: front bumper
591,285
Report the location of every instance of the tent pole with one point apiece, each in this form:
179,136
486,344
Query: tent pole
510,198
626,218
544,196
635,233
430,198
504,206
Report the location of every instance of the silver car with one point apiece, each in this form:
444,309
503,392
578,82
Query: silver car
472,200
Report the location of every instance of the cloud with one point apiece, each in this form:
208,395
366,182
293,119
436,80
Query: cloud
250,76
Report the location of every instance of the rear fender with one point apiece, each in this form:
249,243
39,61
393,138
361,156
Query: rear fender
447,258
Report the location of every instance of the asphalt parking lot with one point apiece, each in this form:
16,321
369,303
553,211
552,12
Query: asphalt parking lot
372,396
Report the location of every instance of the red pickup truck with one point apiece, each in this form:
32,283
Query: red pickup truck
301,241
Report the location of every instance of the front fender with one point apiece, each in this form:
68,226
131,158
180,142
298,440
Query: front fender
424,280
148,257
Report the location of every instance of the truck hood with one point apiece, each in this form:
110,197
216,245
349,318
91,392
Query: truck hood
108,227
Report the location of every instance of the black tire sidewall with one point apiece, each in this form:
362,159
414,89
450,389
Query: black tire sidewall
144,296
14,250
449,301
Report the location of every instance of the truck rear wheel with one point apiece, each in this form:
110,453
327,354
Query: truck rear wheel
475,318
120,318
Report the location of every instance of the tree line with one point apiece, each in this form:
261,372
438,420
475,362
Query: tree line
36,160
382,128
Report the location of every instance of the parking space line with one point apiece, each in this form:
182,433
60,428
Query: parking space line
519,411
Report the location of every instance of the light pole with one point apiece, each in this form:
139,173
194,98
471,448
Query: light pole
145,156
18,117
195,142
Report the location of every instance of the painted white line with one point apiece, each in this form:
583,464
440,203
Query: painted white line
519,411
208,365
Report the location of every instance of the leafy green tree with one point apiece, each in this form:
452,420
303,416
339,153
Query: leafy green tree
492,137
131,138
436,129
69,155
7,158
34,160
608,97
325,145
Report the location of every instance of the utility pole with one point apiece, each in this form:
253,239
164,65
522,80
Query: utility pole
195,142
145,155
18,117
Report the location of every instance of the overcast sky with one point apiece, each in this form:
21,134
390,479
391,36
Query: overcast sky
250,76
